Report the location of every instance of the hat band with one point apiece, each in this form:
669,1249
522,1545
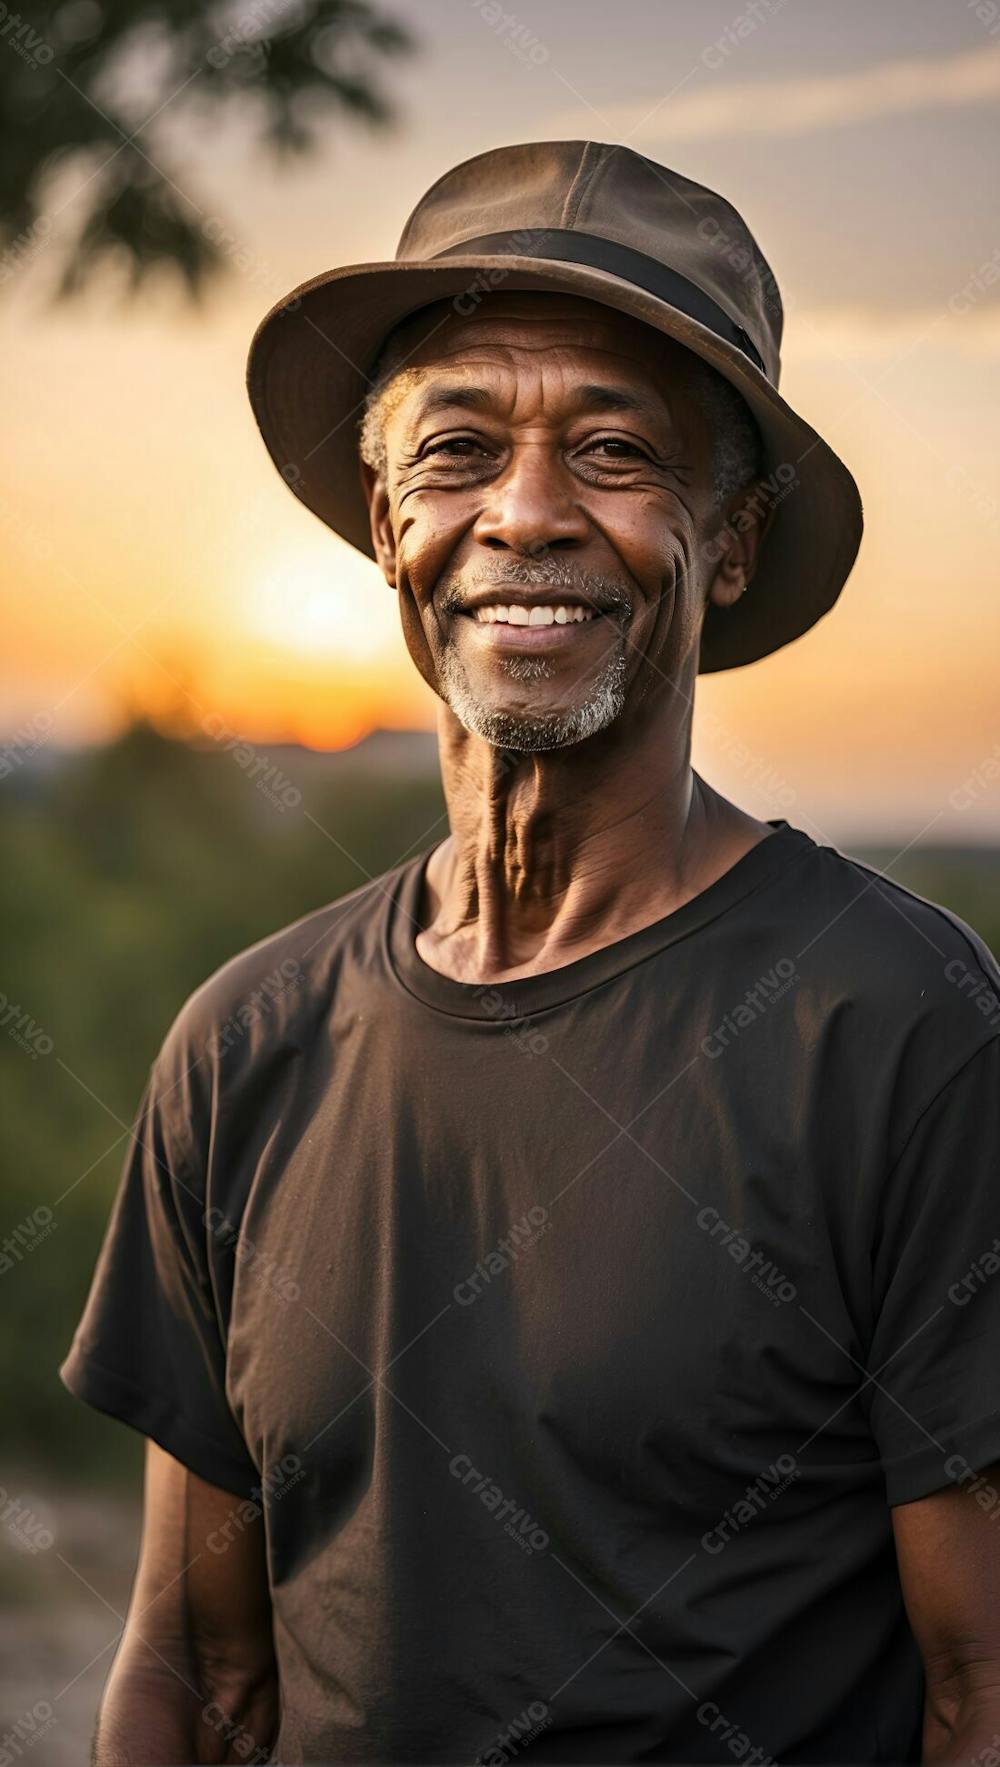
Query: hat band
571,247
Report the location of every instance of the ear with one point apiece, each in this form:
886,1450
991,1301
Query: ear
734,549
383,538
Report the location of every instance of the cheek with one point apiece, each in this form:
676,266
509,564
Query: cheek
658,544
428,527
682,570
652,532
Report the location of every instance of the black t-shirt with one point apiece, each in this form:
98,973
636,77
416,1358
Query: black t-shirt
578,1332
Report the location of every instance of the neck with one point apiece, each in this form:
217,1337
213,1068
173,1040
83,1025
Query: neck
556,854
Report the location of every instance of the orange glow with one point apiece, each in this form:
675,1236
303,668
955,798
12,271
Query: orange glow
155,558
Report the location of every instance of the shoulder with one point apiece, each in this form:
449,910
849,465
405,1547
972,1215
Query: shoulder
905,975
866,914
266,1001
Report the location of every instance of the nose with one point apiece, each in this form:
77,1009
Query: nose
531,508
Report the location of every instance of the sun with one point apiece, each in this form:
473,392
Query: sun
324,601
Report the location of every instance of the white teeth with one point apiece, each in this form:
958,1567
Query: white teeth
539,615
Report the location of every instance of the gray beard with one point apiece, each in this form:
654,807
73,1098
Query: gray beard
527,733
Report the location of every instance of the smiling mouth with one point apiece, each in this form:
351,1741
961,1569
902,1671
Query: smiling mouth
541,614
537,627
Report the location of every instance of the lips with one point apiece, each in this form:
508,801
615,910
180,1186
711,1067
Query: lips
533,628
505,615
538,614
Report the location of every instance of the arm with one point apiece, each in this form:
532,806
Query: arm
194,1679
948,1548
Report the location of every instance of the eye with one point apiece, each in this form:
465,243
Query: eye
618,448
455,447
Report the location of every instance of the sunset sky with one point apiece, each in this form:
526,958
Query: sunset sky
151,552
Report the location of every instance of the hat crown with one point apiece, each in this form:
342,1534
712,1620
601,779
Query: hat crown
613,193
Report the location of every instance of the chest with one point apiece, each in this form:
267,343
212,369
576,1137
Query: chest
492,1241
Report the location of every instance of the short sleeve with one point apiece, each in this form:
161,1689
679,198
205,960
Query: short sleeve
934,1393
149,1348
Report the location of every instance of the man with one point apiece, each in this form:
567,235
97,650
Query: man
564,1320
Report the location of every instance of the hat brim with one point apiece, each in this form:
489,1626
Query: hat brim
307,377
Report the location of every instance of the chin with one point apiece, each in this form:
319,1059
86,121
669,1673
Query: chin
536,732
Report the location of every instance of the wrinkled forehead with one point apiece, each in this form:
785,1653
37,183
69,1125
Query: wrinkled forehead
520,340
526,328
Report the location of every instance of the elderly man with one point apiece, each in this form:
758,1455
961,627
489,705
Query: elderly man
565,1322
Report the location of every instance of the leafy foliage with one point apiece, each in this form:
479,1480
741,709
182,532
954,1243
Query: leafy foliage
131,872
101,87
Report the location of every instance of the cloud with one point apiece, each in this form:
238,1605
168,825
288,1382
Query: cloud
799,105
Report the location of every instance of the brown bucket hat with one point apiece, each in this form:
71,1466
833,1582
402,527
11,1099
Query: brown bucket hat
581,218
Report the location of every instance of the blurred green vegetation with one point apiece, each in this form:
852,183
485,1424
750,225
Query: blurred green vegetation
131,872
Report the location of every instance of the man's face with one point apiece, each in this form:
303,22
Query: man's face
543,515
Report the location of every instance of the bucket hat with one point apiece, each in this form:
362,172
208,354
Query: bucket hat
603,222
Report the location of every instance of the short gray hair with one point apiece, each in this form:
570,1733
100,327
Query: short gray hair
738,449
738,457
388,363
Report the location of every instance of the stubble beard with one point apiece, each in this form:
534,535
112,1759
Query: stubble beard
531,733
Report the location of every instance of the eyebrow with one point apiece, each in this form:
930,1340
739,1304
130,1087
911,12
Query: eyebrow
616,398
442,395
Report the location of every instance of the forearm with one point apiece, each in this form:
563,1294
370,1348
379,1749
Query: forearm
962,1726
161,1708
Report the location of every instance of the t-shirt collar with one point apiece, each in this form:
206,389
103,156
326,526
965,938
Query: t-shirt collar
493,1002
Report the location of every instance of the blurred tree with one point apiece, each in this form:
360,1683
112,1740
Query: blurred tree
130,873
90,86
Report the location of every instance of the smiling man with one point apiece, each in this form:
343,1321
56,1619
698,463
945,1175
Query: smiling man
551,1318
